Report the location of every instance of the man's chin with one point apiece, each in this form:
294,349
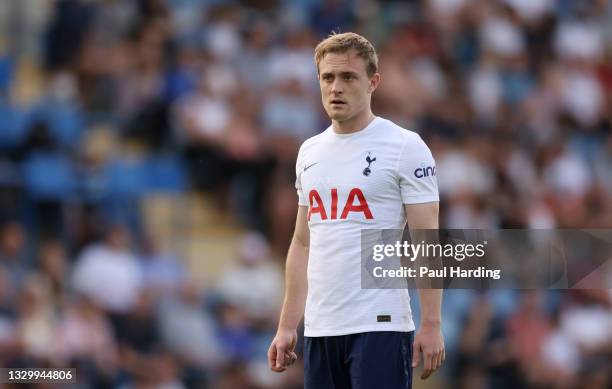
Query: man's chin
337,116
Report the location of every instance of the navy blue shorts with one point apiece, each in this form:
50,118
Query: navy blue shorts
367,360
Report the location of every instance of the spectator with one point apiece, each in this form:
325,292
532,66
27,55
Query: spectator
108,272
254,283
189,330
163,273
12,254
87,341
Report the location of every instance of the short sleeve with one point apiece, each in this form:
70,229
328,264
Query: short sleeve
302,200
417,173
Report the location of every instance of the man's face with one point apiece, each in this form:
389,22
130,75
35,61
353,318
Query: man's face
345,86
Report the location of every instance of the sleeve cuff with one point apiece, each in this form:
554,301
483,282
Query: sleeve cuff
421,198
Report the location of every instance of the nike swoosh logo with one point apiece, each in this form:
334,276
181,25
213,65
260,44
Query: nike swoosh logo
309,166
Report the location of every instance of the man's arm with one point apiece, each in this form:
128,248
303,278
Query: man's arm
281,353
429,339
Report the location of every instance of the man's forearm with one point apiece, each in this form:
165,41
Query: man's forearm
296,286
431,306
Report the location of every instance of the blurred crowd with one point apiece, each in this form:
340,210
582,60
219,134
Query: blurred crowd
130,318
104,103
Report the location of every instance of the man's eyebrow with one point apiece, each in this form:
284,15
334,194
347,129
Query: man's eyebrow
342,73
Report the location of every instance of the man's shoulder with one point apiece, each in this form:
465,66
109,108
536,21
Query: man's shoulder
397,139
314,140
398,132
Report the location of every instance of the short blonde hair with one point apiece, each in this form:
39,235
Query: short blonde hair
341,43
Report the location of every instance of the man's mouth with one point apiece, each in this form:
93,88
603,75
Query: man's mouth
336,101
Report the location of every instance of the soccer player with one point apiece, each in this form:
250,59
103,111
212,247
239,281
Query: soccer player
362,172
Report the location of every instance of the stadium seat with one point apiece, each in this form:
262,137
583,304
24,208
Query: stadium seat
7,66
165,174
12,126
48,176
127,178
65,121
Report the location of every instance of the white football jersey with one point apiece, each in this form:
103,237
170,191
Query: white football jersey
352,182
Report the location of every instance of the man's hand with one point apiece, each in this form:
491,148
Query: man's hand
281,354
430,342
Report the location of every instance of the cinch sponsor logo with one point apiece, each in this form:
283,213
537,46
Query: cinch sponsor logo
355,202
425,172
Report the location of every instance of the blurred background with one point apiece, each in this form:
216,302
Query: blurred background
147,170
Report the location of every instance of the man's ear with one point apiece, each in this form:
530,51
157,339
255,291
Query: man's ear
374,82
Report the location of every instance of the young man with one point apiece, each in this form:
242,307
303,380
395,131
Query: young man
363,172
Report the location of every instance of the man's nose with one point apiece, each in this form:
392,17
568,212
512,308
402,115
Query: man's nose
336,87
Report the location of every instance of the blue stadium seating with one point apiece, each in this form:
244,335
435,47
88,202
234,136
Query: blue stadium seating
48,176
12,126
165,174
65,121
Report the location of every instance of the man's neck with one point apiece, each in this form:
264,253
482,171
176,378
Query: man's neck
354,124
